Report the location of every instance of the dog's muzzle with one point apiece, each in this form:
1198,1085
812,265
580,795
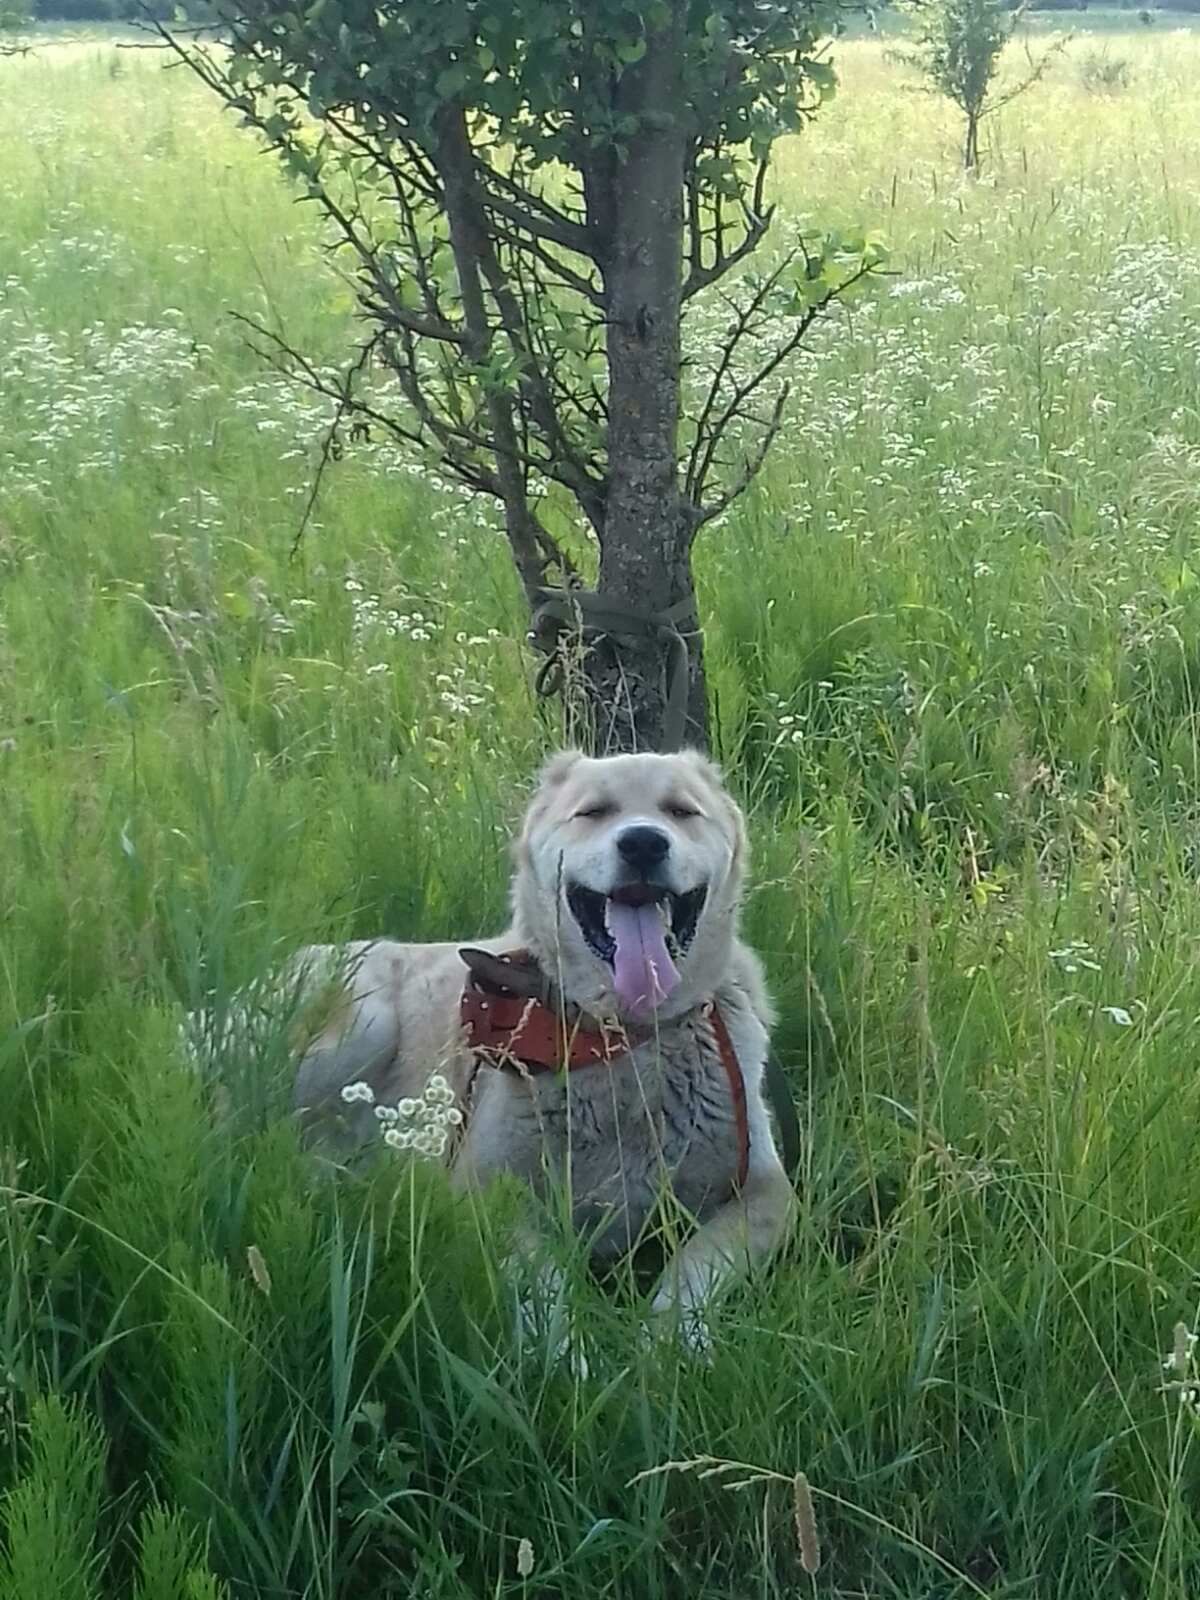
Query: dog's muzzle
642,930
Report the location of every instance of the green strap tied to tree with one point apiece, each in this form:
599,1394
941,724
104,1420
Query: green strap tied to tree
559,612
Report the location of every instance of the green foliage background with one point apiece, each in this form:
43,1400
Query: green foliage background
955,678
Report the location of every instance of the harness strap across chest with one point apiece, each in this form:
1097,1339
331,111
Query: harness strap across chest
514,1018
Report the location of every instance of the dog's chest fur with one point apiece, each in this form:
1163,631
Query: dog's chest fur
659,1120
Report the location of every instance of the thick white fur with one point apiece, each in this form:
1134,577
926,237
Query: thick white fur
659,1119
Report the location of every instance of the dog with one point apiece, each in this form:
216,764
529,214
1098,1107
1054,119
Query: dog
624,949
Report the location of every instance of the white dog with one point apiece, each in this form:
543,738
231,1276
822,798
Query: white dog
629,874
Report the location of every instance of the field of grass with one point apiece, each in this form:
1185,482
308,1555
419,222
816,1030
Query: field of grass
955,658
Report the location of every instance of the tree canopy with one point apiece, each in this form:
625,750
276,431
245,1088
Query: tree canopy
527,199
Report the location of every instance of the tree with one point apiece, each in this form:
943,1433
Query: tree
529,198
958,48
14,15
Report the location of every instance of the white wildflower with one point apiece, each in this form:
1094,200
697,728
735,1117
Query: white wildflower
424,1123
1180,1367
1074,956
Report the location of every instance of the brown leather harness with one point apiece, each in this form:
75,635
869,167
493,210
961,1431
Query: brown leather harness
514,1018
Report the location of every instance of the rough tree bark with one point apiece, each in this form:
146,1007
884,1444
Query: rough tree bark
645,542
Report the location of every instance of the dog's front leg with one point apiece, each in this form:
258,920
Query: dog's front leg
504,1135
544,1314
743,1231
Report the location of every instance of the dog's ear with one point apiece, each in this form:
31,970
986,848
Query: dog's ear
552,776
558,768
711,773
706,766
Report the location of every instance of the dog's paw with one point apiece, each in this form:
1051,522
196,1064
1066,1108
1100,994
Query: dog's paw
545,1329
696,1337
564,1348
689,1328
572,1353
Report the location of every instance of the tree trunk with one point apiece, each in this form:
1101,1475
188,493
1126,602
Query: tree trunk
646,540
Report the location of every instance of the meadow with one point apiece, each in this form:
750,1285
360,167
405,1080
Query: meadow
954,653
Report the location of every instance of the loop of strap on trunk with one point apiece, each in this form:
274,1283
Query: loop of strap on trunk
559,613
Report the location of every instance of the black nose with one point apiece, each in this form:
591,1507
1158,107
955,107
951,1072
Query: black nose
643,848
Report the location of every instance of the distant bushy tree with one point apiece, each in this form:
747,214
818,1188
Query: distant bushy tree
117,10
957,49
75,11
14,15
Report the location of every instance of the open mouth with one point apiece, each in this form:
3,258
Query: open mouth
680,914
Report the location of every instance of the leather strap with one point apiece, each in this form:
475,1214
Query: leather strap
737,1090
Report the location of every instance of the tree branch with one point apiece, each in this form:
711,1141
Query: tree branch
468,240
571,470
586,288
704,449
743,321
756,220
701,277
297,366
530,213
344,406
754,462
1035,73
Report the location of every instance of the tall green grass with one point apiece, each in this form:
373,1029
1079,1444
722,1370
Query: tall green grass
953,657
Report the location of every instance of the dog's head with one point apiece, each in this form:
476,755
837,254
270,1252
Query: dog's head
629,874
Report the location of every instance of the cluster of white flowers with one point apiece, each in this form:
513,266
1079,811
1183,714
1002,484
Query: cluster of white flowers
96,250
1075,955
1078,956
68,396
370,616
459,693
423,1124
1182,1378
271,404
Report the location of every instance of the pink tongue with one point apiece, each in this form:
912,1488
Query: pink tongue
643,972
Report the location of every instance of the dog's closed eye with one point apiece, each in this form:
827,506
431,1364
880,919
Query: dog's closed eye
680,810
596,812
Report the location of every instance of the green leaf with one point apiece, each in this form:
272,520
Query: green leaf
451,82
